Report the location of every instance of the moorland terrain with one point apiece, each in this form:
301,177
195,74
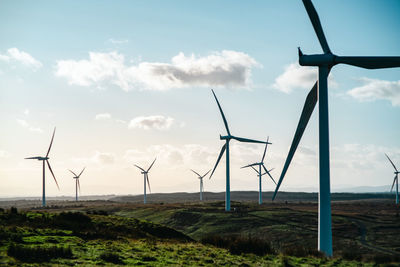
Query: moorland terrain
177,229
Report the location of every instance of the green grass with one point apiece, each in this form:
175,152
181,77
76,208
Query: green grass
160,235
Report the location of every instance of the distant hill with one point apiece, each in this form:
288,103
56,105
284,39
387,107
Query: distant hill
182,197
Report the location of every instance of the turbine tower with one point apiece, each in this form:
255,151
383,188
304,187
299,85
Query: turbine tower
395,180
45,160
201,183
227,139
325,62
145,177
259,172
77,184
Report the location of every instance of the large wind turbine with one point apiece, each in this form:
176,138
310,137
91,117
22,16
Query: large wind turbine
325,62
77,184
228,138
145,177
259,172
45,160
201,182
396,179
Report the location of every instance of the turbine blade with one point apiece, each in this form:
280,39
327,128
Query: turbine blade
265,169
370,62
52,173
255,169
219,158
308,109
148,182
73,173
250,165
394,180
138,167
391,162
51,142
205,174
79,186
33,158
151,164
222,113
265,150
195,173
240,139
81,171
313,15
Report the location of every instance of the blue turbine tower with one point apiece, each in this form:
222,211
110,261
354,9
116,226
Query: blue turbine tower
227,139
319,92
45,160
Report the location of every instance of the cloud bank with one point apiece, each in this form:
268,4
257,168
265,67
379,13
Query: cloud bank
219,69
296,76
14,54
102,116
374,89
158,122
31,128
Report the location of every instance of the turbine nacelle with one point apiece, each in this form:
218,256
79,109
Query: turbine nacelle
317,59
225,137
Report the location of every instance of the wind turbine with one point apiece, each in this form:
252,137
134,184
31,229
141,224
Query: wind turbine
325,62
77,184
45,160
201,183
259,172
228,138
145,177
396,179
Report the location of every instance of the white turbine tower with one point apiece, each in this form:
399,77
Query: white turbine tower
259,172
45,160
228,138
145,178
395,180
325,62
77,184
201,183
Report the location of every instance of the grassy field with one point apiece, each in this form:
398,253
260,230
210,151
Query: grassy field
199,234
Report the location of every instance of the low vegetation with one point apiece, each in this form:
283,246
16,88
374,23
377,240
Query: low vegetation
194,235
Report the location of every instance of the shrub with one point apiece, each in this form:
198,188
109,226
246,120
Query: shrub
111,257
239,244
38,254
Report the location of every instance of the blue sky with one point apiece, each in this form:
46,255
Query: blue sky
101,72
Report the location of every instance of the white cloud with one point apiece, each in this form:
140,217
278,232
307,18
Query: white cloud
296,76
117,41
173,156
26,125
374,89
103,116
26,112
219,69
158,122
100,158
4,154
14,54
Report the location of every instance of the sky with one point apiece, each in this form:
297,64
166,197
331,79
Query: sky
125,82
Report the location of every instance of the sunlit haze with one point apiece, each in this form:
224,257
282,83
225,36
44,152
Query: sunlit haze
126,82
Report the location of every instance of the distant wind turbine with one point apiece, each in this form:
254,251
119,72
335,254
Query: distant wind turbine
77,184
325,62
395,180
45,160
145,177
259,172
201,183
228,138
